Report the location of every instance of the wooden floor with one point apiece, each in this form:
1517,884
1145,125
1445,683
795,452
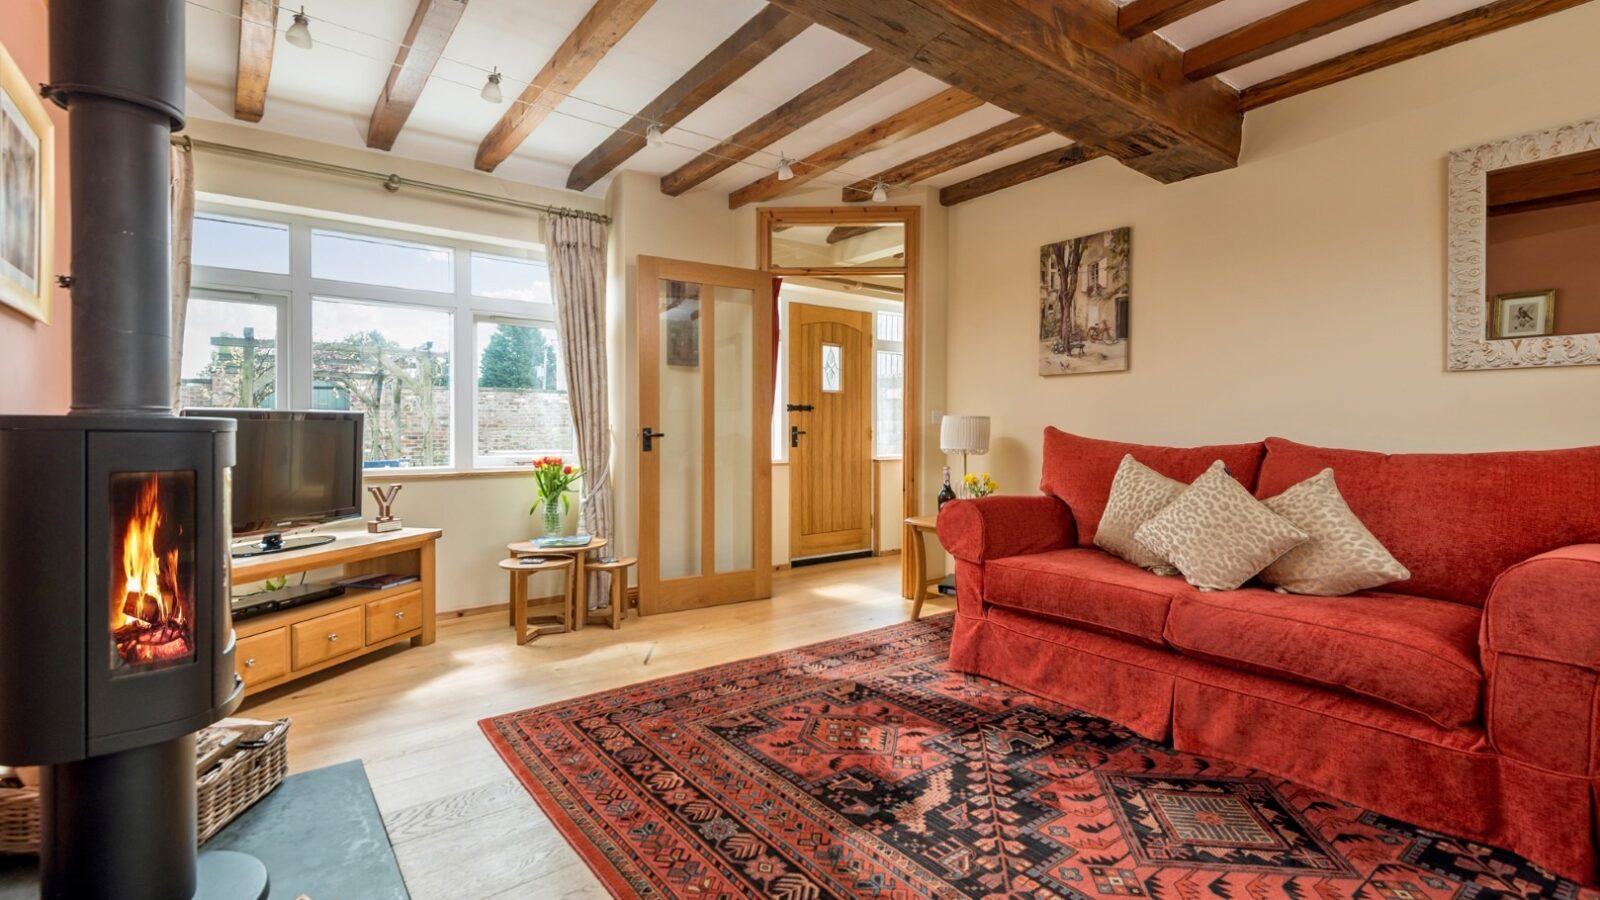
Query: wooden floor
462,827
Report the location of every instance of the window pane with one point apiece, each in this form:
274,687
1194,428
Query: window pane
508,278
230,355
392,363
230,243
363,259
888,404
889,326
832,368
522,393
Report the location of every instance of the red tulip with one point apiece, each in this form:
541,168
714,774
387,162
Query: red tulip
567,470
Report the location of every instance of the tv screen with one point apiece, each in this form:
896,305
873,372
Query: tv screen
293,467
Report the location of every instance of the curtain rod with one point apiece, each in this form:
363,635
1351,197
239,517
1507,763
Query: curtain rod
391,182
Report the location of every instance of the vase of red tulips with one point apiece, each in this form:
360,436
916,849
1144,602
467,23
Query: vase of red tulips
554,479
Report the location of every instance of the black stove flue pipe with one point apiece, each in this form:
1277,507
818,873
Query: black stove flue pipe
117,66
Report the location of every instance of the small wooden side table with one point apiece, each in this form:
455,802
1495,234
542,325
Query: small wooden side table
619,584
520,573
580,556
916,528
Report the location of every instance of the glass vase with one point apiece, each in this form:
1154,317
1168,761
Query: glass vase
552,516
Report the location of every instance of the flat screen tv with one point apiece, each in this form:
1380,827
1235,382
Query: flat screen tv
294,468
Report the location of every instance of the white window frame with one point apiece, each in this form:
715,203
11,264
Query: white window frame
280,305
880,345
295,292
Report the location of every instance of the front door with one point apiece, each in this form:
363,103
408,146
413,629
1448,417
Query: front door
705,441
830,431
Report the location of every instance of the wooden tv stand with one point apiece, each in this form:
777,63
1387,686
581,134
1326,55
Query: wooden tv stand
281,646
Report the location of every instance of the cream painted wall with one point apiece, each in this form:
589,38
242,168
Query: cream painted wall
1301,294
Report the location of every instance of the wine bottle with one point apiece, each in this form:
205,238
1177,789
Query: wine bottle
946,494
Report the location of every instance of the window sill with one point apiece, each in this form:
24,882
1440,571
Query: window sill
442,474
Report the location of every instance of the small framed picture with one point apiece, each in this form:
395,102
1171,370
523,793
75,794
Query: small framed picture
1522,315
27,194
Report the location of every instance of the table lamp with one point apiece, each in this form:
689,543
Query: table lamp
964,435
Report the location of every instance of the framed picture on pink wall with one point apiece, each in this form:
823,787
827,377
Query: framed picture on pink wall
27,194
1529,314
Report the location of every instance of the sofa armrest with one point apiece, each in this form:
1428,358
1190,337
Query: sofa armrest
977,531
1541,654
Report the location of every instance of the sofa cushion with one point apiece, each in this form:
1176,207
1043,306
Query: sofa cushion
1414,653
1085,587
1079,470
1138,493
1218,535
1341,557
1455,520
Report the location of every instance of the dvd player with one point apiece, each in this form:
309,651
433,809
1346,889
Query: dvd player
259,604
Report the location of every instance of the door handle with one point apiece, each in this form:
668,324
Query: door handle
794,435
800,407
650,436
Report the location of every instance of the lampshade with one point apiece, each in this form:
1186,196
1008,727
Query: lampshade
964,434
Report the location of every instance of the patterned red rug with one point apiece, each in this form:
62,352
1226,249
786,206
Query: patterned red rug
862,768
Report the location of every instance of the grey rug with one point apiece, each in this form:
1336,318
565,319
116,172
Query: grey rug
319,834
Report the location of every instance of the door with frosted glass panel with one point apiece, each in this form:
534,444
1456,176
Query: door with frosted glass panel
705,451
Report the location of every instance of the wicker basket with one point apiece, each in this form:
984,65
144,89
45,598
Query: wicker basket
227,790
19,820
240,780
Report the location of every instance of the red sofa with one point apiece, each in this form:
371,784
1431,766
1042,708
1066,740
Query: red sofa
1466,699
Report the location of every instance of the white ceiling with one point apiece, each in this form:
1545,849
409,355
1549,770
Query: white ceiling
327,93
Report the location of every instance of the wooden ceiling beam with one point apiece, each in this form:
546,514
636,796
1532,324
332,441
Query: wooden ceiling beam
258,35
1546,184
940,108
985,143
430,30
1284,29
861,75
1017,173
1141,17
600,29
1460,27
846,232
1062,63
732,59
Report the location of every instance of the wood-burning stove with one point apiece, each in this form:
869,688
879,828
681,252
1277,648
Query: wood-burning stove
116,642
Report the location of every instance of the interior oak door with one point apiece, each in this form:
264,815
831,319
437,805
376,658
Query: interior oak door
705,441
830,430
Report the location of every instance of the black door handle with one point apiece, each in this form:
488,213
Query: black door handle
794,435
650,436
800,407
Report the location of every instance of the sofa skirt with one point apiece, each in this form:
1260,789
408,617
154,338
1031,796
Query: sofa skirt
1385,760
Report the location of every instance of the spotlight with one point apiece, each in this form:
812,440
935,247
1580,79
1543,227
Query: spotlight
785,171
299,34
880,193
653,135
491,88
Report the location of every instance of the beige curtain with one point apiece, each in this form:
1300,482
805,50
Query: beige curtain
577,249
182,209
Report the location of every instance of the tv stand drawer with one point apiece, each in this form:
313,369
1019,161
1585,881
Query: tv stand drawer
325,637
393,616
262,658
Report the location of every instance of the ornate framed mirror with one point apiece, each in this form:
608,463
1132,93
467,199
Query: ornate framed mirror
1524,269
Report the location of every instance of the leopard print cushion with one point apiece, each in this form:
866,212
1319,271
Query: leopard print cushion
1218,535
1341,557
1138,492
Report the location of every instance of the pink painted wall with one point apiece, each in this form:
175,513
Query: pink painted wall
1550,248
34,373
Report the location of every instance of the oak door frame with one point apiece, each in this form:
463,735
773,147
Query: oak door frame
911,303
716,588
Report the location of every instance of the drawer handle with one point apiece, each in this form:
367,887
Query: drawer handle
250,663
333,636
400,615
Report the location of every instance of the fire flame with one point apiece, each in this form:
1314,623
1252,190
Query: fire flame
149,622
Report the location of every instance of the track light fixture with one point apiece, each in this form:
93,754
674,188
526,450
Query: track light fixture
491,88
785,168
880,193
653,135
299,33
